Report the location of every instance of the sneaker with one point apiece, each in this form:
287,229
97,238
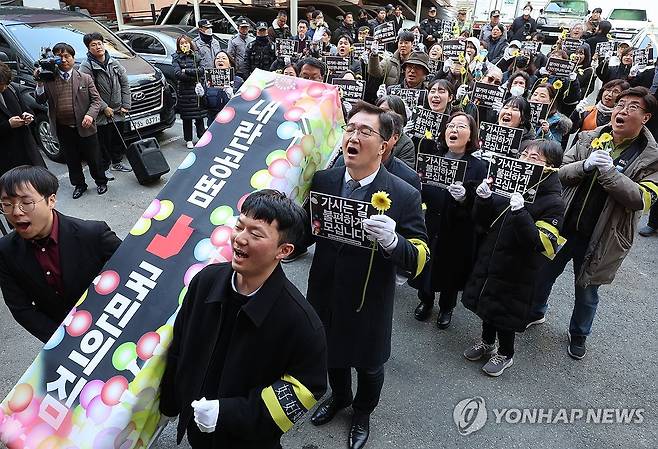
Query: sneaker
120,167
295,255
647,231
538,321
479,350
189,145
497,364
109,175
577,347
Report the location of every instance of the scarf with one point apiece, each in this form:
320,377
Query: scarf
603,109
206,38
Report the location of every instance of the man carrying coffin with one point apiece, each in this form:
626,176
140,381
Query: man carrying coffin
359,326
248,355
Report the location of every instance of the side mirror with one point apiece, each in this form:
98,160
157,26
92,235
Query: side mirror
3,57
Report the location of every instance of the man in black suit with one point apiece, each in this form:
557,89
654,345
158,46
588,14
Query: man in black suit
50,259
359,333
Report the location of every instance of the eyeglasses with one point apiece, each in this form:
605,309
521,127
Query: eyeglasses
459,127
25,207
630,107
363,131
493,80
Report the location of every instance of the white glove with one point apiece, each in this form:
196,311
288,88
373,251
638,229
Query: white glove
198,89
287,60
365,56
348,106
447,65
457,191
543,71
572,76
382,229
462,91
381,91
516,201
206,414
598,159
374,48
613,61
229,91
483,190
594,64
634,71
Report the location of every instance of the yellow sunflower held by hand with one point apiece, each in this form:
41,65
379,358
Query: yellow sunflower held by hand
596,143
557,84
381,201
605,138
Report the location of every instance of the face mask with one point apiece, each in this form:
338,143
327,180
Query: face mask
206,31
516,91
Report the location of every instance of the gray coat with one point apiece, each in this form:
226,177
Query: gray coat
207,52
112,84
237,49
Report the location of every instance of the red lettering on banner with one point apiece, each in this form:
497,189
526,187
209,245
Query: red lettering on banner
166,247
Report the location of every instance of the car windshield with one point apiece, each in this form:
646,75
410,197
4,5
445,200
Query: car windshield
629,14
567,7
34,36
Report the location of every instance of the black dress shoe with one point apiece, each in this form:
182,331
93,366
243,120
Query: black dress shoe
359,431
78,191
327,410
101,189
443,320
423,311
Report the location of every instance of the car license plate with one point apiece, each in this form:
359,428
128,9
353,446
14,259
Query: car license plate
144,122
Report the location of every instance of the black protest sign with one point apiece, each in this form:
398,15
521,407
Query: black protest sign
385,33
340,219
538,111
560,67
500,139
447,27
411,97
359,47
336,64
531,47
350,90
433,65
220,77
286,47
606,49
453,48
512,175
486,95
570,45
427,120
640,57
440,171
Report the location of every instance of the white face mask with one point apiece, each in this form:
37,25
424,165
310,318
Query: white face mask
206,31
516,91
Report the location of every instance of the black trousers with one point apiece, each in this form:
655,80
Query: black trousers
76,149
505,338
653,217
111,146
187,128
447,298
369,387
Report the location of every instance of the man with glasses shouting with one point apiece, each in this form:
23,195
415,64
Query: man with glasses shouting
50,259
610,177
358,326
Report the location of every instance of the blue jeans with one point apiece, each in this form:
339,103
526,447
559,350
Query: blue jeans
587,299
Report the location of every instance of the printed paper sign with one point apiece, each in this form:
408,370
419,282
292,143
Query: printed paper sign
440,171
514,176
340,219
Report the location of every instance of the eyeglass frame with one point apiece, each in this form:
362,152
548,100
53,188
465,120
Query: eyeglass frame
627,107
20,206
344,127
457,126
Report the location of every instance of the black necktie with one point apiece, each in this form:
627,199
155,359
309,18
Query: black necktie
350,187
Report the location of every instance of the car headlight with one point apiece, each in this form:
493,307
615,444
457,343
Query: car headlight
541,21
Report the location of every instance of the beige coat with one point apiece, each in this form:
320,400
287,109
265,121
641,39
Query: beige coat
615,230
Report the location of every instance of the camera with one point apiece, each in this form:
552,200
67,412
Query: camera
48,65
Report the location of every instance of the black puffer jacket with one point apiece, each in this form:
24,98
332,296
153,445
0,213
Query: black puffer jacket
260,53
188,72
502,283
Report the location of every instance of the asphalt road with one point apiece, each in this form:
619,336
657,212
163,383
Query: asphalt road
427,376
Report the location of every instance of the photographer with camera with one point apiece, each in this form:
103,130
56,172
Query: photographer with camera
15,117
112,84
73,104
524,25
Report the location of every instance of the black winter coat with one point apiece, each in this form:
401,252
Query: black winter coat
501,287
451,232
188,71
277,342
261,53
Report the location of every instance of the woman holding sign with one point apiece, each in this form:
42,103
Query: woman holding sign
554,126
217,96
189,75
448,220
516,113
519,238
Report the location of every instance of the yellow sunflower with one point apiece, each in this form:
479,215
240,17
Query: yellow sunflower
596,143
462,59
463,71
428,134
557,84
605,138
380,201
543,80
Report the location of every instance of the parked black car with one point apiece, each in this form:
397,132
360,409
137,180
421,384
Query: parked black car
25,31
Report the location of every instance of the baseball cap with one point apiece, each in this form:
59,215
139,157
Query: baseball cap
432,9
494,13
461,11
261,26
205,23
243,22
